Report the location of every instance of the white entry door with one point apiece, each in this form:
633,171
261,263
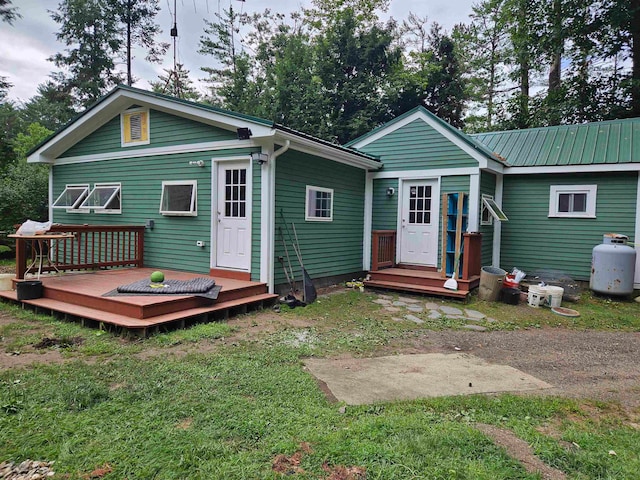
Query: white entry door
233,245
419,222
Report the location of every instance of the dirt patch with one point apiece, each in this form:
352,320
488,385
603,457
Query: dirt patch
521,451
341,472
54,342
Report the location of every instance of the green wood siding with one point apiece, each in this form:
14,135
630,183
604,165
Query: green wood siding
532,241
328,248
487,187
385,208
164,130
416,146
172,242
256,213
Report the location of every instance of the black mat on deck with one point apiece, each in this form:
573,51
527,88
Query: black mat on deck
199,287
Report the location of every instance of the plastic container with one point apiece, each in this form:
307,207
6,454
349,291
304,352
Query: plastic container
5,281
536,295
491,279
510,281
29,290
554,295
613,266
511,296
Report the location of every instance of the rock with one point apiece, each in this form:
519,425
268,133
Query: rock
389,308
399,304
431,306
450,310
413,318
490,320
415,308
408,300
434,314
26,470
638,299
396,319
386,297
476,328
382,301
474,314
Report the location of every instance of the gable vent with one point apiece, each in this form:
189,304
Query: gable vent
135,125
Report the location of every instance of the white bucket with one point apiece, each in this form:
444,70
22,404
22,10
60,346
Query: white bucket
554,295
536,295
5,281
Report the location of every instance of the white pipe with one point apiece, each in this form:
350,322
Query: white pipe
272,213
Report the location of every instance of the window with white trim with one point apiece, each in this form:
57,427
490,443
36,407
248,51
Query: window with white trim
490,211
72,197
319,204
574,201
104,198
134,127
179,197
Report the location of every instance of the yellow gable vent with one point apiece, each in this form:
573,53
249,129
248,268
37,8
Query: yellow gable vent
135,128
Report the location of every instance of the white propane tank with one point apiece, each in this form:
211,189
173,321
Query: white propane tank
613,266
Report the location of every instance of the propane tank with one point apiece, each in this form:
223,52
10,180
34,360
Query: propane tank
613,266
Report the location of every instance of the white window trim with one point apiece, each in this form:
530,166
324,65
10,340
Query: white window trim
307,214
75,208
484,208
495,211
193,211
554,200
101,209
139,142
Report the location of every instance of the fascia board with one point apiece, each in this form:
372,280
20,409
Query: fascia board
599,168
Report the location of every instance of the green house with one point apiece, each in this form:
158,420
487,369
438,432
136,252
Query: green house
220,192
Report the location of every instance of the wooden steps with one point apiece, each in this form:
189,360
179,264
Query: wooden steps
426,281
81,296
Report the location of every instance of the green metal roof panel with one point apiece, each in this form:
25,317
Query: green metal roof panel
609,142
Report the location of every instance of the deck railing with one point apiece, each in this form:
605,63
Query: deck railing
88,247
383,248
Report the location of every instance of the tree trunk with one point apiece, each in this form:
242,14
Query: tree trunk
129,75
557,46
634,27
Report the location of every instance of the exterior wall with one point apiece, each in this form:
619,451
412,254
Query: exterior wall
165,130
256,210
416,146
328,248
172,242
531,241
487,187
385,208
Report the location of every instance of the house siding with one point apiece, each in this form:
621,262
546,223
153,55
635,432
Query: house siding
532,241
164,130
328,248
385,208
487,187
172,242
416,146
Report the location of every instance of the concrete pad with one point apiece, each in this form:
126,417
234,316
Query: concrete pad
361,381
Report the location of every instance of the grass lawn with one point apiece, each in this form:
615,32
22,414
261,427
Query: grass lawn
220,402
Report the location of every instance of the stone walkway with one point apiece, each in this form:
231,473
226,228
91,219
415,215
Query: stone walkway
410,306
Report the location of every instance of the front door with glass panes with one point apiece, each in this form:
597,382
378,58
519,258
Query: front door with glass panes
419,222
233,242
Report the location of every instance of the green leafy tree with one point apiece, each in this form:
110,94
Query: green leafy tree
24,187
51,107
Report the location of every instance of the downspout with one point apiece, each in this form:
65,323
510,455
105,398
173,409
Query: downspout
50,193
272,213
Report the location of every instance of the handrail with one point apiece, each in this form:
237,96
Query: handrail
383,249
88,247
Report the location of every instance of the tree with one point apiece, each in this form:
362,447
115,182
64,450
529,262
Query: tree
24,187
8,13
51,107
176,82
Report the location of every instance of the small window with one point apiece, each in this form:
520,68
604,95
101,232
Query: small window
179,198
135,127
577,201
491,210
319,206
71,198
104,198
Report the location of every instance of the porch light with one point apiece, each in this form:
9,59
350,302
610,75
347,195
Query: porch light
391,192
261,158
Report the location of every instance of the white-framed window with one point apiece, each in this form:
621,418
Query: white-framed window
319,204
134,126
575,201
104,198
179,197
72,197
490,211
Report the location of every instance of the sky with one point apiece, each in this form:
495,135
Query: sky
26,45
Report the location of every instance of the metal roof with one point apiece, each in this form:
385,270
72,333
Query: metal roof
609,142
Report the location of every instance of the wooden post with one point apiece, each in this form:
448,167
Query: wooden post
21,258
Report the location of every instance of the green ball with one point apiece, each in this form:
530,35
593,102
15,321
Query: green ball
157,277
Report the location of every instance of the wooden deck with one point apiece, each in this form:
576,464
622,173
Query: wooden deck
80,296
423,280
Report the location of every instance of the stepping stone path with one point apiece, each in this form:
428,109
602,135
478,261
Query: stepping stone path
434,312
